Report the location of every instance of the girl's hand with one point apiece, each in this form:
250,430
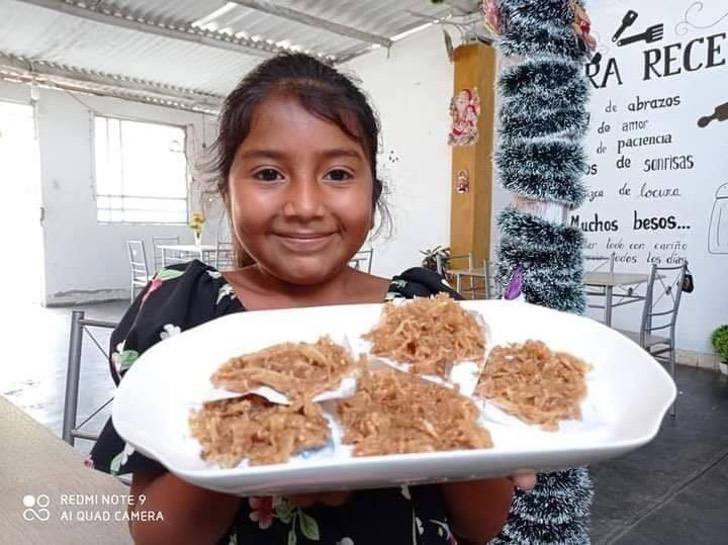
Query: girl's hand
330,499
524,481
192,515
478,509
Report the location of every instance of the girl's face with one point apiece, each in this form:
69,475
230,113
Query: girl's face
300,193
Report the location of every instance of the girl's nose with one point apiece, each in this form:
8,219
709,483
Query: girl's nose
304,199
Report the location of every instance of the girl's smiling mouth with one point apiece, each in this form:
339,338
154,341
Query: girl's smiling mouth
305,242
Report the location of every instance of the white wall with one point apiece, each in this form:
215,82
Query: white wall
86,260
689,194
411,90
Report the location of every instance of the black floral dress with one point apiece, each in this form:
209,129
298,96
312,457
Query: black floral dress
187,295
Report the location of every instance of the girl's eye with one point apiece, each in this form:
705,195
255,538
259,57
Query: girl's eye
268,175
338,175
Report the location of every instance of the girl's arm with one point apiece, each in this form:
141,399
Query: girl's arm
477,510
192,515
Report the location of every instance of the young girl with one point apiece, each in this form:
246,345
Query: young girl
296,159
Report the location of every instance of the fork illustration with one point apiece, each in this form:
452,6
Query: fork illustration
652,34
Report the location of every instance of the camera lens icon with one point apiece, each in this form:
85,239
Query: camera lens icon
35,507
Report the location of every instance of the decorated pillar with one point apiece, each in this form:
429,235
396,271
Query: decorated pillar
542,121
471,139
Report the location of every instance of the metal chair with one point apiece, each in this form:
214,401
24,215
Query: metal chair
444,266
599,263
482,282
493,290
71,430
79,325
365,257
158,254
138,266
662,302
446,269
224,256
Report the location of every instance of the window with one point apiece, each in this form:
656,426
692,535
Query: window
141,172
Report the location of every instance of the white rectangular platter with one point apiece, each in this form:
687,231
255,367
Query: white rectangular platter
628,395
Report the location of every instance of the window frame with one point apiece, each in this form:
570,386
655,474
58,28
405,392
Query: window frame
185,150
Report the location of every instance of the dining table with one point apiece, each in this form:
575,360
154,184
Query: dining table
48,496
475,275
177,253
606,282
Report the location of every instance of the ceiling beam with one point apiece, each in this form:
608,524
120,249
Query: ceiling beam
284,12
401,33
109,14
59,76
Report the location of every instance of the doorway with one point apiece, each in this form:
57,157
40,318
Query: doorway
22,273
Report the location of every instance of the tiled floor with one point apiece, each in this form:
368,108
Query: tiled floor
674,491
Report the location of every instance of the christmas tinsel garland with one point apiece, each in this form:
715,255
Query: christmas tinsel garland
542,121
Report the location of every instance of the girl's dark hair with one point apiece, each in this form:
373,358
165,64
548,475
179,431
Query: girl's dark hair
321,90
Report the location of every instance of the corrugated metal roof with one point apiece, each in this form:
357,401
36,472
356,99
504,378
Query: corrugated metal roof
57,38
51,35
185,10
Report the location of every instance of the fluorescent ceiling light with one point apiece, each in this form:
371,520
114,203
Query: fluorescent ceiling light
411,31
210,19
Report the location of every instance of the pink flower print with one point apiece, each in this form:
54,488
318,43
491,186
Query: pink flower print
161,277
443,530
156,284
261,511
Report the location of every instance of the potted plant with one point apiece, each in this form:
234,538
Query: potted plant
719,340
196,221
437,258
